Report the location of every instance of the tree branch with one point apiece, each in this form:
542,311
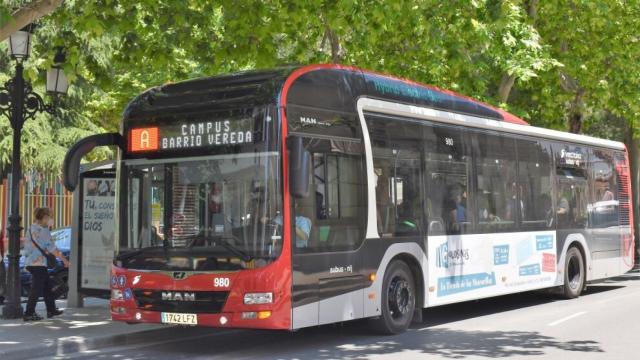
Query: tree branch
27,15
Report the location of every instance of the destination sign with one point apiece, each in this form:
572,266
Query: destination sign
192,135
570,156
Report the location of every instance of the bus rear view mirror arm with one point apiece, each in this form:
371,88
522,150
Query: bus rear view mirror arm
299,167
71,165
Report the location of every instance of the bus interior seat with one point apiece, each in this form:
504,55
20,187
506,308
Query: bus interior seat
436,226
387,219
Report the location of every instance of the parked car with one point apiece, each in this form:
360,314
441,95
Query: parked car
62,238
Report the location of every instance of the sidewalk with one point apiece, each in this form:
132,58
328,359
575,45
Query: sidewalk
76,330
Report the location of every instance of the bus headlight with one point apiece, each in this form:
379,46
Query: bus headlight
116,294
258,298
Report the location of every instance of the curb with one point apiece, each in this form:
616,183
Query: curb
74,344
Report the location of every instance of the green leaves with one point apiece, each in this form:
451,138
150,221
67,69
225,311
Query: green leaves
481,48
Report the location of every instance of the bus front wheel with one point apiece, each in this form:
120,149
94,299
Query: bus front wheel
398,300
574,274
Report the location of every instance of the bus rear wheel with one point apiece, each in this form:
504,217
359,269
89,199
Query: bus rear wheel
574,274
398,299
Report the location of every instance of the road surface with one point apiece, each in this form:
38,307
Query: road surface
604,323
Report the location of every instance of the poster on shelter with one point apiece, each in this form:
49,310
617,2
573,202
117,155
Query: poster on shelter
98,231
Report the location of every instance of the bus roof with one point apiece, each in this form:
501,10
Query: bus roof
327,86
264,86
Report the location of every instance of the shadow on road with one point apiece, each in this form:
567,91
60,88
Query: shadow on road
623,278
355,342
448,343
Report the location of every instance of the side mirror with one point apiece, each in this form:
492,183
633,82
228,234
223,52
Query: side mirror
299,168
71,166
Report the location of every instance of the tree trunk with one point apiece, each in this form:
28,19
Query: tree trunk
575,122
532,9
506,84
577,113
27,15
334,43
633,146
507,81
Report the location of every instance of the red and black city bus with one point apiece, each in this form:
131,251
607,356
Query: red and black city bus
296,197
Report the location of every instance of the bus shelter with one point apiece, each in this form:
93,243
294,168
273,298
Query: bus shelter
92,233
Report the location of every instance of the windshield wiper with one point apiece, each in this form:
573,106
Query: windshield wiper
134,253
128,255
224,243
241,254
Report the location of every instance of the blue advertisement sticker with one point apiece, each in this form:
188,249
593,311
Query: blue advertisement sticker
528,270
500,254
544,242
456,284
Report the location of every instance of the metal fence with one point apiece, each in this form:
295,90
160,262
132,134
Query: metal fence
36,190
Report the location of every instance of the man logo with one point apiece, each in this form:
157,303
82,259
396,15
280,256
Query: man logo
179,275
178,296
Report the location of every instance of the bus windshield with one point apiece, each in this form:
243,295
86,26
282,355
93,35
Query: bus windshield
221,212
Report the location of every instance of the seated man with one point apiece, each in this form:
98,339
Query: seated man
303,227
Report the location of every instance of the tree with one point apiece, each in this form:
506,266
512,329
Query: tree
24,15
596,43
513,53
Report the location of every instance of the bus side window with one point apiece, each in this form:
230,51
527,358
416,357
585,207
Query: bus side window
397,156
498,203
603,203
332,217
572,189
447,181
535,184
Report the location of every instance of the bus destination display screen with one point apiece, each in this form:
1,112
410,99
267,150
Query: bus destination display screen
192,135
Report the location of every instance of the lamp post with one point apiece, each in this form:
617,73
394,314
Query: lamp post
19,103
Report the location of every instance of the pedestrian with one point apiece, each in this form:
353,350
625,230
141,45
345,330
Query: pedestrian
38,244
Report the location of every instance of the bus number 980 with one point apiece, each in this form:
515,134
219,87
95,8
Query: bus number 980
221,282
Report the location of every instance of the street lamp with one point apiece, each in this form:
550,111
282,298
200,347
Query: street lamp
20,44
56,79
19,103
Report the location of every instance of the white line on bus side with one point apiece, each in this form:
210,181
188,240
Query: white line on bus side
559,321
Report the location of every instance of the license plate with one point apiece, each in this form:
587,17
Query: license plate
179,318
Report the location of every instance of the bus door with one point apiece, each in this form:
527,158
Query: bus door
603,205
571,203
327,230
572,192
